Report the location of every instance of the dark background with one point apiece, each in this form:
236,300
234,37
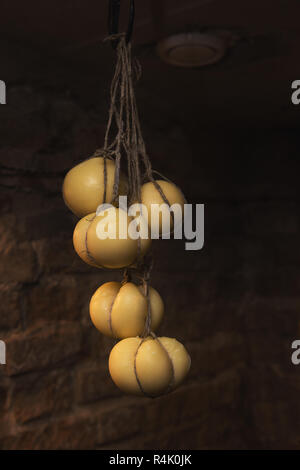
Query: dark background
228,135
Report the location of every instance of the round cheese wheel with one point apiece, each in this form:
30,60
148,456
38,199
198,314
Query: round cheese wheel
118,249
108,240
150,367
120,311
160,219
83,186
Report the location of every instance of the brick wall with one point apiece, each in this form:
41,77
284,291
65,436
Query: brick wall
234,304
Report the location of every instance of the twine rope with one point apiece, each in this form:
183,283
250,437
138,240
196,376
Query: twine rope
123,115
128,140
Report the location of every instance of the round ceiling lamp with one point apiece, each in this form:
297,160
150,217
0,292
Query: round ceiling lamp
193,49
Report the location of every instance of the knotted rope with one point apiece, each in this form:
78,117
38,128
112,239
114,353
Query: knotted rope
123,114
123,137
128,141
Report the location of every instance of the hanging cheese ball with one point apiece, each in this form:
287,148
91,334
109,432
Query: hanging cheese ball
150,195
118,249
104,239
83,187
150,367
120,311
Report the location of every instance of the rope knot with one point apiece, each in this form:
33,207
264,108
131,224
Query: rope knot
114,37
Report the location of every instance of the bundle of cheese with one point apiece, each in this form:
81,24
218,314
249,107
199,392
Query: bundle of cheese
108,236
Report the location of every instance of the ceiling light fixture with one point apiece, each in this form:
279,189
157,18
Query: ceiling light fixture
194,49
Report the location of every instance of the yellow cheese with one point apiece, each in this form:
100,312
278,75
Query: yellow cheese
118,249
152,367
121,311
101,305
150,196
121,365
79,241
83,187
179,357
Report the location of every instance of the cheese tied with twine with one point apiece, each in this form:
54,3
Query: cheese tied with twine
151,366
79,239
141,363
91,183
158,196
114,251
120,310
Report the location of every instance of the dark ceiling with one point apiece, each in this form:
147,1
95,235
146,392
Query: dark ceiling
250,86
